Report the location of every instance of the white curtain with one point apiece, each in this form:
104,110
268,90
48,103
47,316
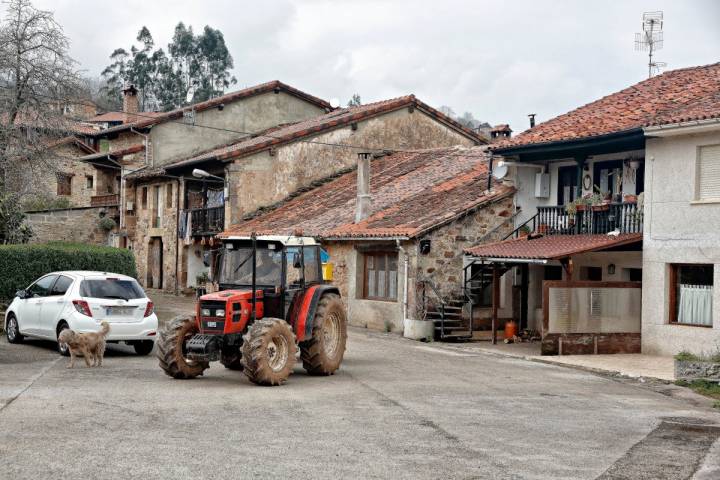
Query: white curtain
695,305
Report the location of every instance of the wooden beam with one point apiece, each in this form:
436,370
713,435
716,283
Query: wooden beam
524,271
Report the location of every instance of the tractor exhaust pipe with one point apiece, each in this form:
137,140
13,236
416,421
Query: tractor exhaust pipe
254,267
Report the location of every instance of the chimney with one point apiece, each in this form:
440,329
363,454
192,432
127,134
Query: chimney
500,132
130,102
362,205
531,116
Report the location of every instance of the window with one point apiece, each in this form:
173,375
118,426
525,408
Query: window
168,195
61,286
157,206
593,274
708,173
380,277
41,288
64,184
691,294
88,182
632,274
144,195
312,270
111,288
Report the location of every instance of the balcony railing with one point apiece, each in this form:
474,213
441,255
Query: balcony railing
110,200
207,221
597,219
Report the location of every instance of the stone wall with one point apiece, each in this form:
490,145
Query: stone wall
443,264
174,140
265,178
70,225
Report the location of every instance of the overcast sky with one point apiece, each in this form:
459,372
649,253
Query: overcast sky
499,60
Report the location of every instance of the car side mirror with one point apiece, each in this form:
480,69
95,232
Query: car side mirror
21,294
296,260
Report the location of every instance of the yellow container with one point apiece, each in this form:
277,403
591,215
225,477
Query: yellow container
327,271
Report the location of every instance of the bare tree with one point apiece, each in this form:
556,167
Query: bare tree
38,80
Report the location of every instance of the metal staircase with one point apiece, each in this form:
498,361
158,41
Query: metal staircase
446,312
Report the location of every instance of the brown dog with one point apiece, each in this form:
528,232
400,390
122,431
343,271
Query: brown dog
89,345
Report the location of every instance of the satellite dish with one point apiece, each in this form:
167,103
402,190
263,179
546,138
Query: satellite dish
334,102
500,171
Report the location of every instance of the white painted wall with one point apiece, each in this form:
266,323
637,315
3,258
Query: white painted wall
676,230
524,180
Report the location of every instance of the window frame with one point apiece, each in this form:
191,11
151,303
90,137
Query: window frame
386,255
53,293
673,293
61,178
697,197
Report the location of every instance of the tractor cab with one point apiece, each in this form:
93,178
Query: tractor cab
283,267
271,296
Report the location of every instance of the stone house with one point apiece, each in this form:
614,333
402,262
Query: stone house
614,217
394,224
265,168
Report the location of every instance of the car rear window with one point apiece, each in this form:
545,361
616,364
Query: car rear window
111,288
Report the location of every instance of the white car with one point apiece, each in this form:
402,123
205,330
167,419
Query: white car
80,301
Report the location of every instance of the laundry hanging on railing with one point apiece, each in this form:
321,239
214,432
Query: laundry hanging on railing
214,198
695,304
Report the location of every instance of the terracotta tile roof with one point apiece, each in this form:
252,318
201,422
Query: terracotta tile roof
56,123
122,117
412,193
551,247
275,85
674,96
145,173
313,126
115,153
71,139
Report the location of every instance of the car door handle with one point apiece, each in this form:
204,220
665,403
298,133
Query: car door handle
59,301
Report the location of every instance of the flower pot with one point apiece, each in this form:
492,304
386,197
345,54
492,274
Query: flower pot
418,329
542,229
600,208
581,208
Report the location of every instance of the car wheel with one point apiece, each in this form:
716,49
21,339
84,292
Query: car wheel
143,347
63,348
13,330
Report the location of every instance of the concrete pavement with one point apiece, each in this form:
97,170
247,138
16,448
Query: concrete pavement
396,409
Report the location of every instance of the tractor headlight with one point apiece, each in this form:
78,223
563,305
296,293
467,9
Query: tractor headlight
220,313
205,312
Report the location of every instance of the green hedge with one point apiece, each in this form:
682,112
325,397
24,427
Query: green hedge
20,265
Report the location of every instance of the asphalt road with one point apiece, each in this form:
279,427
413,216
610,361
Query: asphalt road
396,409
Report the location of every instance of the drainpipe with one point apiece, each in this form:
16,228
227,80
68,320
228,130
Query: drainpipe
146,142
405,279
177,238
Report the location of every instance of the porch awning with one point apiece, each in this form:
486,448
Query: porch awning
550,247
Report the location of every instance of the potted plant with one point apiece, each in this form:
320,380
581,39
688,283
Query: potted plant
201,283
524,231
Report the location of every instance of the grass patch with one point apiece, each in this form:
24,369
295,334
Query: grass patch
703,387
686,357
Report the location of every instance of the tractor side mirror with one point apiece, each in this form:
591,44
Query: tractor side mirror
206,259
296,260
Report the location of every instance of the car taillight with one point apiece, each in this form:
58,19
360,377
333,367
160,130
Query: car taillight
82,307
149,309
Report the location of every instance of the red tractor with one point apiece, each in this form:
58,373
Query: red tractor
259,334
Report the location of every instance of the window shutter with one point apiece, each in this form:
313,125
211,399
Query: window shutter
709,172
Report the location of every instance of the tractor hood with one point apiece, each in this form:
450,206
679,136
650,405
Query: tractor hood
235,294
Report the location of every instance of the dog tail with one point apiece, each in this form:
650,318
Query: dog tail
105,327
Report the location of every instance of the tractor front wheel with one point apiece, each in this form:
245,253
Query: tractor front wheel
268,351
171,349
323,353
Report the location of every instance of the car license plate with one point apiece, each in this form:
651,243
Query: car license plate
118,311
212,324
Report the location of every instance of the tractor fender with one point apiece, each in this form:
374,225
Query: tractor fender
304,307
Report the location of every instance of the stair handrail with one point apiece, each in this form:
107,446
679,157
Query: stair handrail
516,233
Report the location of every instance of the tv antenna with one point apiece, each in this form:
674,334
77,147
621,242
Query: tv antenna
651,39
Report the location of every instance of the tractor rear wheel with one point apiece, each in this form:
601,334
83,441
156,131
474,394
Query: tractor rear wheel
231,359
268,351
323,353
171,349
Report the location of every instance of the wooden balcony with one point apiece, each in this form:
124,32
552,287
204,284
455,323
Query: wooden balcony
207,221
111,200
596,219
